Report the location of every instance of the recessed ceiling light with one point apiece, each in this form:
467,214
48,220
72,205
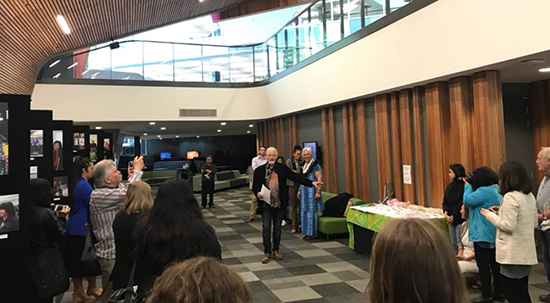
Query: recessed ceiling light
54,63
63,24
158,136
545,70
251,125
177,136
223,124
201,1
145,134
72,65
152,123
219,130
56,75
98,127
198,137
163,128
248,132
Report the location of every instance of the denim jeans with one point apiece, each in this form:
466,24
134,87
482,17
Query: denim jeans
272,216
544,237
456,234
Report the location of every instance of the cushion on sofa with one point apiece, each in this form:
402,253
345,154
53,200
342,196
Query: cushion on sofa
224,176
220,185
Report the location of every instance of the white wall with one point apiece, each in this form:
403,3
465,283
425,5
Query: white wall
445,38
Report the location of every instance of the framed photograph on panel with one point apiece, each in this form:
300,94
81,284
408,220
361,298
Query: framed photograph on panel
37,143
4,142
57,150
9,213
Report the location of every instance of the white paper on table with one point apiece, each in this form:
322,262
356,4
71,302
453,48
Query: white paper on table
266,194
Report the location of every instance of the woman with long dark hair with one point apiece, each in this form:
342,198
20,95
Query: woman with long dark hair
452,203
57,156
8,218
76,230
173,231
483,193
515,220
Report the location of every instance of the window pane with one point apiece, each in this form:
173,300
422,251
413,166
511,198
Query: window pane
99,64
241,64
128,61
158,58
128,147
260,56
188,63
397,4
317,30
216,64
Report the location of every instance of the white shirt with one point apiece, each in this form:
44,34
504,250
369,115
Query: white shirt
258,161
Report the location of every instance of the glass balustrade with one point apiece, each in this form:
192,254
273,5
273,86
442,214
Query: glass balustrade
312,30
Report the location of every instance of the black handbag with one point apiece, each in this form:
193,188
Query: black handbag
88,254
49,274
128,294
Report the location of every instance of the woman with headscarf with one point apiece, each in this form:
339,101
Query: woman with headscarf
452,203
8,218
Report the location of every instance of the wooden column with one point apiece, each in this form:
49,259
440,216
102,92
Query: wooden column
462,121
438,124
347,143
332,150
406,125
489,143
363,151
540,104
396,147
353,150
383,150
419,161
283,150
327,178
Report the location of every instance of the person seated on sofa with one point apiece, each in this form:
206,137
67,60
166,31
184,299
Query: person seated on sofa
466,255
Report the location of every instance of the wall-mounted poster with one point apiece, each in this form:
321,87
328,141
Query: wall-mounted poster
37,143
9,213
93,148
4,150
106,145
34,172
61,186
57,150
79,141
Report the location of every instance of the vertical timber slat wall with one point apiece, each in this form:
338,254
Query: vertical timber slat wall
438,122
419,161
383,151
540,104
405,112
396,147
327,178
462,112
363,151
332,150
347,144
489,117
353,150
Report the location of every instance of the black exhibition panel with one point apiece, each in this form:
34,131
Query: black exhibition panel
96,145
15,285
41,154
62,175
78,149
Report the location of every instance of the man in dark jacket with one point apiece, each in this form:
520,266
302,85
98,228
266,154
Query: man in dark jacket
208,171
274,176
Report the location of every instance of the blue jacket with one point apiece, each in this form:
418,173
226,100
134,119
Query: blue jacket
481,230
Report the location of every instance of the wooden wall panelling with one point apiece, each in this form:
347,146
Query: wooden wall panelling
281,138
489,143
265,131
406,125
333,150
438,122
396,146
419,159
347,143
362,149
260,134
462,121
540,105
353,149
327,177
383,150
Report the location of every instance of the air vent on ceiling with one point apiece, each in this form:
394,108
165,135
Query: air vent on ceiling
198,113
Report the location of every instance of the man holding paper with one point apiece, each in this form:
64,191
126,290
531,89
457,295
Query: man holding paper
272,191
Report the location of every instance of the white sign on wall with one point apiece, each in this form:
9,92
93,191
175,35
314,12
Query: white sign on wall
407,178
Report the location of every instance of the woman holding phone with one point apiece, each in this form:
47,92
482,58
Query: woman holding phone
515,220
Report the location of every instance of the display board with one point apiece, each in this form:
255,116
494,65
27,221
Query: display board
81,141
14,179
62,160
41,137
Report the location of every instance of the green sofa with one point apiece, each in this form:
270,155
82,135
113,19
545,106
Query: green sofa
331,225
155,177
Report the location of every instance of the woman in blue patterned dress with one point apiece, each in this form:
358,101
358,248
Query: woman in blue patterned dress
310,197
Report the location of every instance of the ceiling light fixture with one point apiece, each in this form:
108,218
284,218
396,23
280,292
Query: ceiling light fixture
201,1
219,130
158,136
177,136
63,24
98,127
152,123
163,128
56,75
72,65
145,134
198,137
54,63
545,70
248,132
251,125
223,124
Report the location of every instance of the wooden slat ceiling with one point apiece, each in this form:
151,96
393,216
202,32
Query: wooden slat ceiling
29,32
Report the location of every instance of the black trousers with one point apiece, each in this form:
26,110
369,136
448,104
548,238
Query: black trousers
207,189
516,290
488,266
272,216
